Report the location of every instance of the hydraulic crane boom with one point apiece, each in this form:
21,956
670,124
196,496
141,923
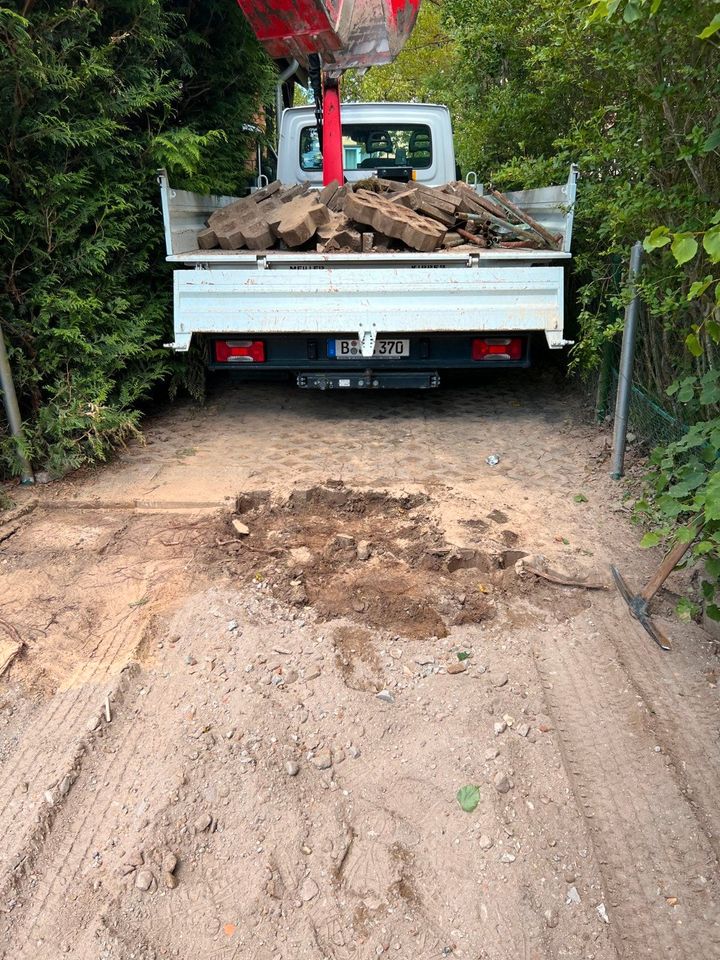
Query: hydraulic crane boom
343,34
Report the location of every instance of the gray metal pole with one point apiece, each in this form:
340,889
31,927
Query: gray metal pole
11,408
627,356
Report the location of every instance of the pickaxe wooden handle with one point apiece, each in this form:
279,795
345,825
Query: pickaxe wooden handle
668,565
638,603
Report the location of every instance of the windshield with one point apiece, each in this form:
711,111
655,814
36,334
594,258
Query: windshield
369,146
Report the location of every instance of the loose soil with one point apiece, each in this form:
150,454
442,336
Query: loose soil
308,549
289,714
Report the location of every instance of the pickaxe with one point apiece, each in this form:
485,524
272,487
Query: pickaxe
638,603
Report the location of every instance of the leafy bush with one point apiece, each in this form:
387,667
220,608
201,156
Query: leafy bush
93,98
684,487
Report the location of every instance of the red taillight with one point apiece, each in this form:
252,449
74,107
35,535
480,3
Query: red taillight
240,351
498,348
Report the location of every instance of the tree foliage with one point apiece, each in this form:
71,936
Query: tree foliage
632,98
93,98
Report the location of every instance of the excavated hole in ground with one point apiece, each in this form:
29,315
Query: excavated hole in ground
374,558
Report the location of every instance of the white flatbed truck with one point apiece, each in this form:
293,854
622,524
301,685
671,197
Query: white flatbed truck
368,320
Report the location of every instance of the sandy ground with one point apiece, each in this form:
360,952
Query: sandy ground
223,746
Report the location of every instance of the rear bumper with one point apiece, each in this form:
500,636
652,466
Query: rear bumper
298,353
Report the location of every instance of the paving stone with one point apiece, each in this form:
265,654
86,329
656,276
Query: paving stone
437,198
230,213
207,239
258,235
338,201
299,221
337,234
327,193
268,191
394,220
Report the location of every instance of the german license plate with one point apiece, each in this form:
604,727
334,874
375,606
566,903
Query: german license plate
384,349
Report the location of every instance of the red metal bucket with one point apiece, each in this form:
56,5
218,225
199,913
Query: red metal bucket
346,33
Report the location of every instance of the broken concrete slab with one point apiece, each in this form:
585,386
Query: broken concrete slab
289,193
230,234
231,211
337,221
469,198
429,210
408,198
258,235
437,197
379,185
337,234
248,226
409,215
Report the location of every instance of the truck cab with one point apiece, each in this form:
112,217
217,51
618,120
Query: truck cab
376,136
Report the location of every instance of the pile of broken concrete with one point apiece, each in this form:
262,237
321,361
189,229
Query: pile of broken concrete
374,215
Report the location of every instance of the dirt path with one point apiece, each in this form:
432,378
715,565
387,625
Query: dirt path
292,713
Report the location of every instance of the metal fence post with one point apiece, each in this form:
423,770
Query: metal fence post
7,387
627,355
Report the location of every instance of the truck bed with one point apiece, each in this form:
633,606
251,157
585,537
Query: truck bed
366,294
186,213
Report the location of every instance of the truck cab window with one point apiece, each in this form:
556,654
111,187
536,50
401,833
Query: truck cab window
368,146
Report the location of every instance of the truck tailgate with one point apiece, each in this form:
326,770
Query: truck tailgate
369,301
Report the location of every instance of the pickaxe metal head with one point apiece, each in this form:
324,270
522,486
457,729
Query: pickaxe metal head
638,606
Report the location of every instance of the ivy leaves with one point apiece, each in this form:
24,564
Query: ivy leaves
685,248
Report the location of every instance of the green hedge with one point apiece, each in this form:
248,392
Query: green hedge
94,97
